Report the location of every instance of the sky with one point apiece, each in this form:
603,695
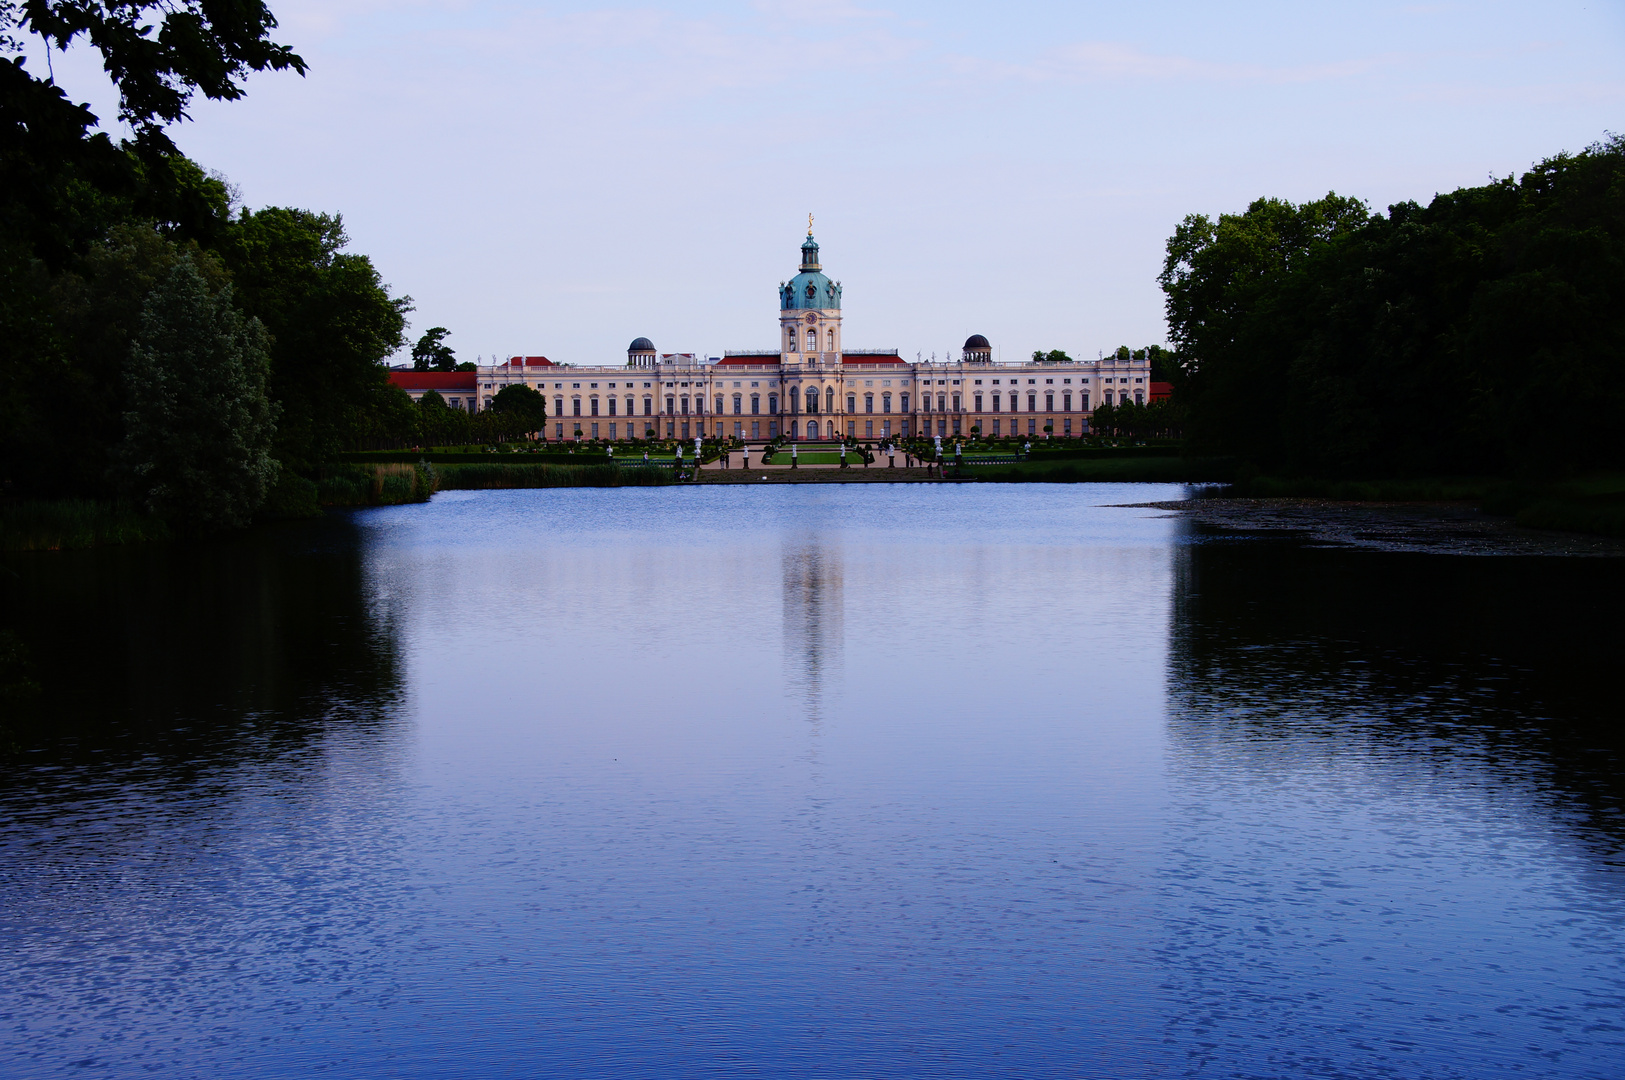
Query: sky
558,178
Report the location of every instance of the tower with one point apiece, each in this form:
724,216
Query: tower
810,313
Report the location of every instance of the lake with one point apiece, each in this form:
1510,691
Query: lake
814,781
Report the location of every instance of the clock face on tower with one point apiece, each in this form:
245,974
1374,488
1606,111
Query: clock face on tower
811,318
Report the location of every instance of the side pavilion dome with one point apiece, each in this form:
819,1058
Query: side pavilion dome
976,342
642,344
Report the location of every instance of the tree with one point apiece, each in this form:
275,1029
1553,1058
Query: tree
1054,356
200,45
332,320
199,427
431,354
522,403
1449,338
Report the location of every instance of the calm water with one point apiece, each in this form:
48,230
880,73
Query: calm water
811,782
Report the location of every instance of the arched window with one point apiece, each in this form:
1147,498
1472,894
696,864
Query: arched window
829,402
830,334
795,399
812,429
812,340
792,339
739,404
812,399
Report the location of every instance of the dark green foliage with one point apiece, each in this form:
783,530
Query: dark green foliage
332,323
1054,356
199,425
503,475
292,496
431,353
376,485
1152,420
205,45
1478,334
522,404
1146,470
62,524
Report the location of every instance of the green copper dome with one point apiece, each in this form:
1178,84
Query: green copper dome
810,289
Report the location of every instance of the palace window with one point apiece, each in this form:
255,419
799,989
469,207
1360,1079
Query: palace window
978,402
812,340
558,406
851,403
956,403
577,403
942,403
831,339
1049,402
829,402
1083,401
648,406
738,404
1032,402
868,403
773,404
1066,401
755,404
792,341
902,404
685,404
885,403
671,407
925,402
612,406
720,409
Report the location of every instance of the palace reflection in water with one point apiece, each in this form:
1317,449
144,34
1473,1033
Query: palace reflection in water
1003,781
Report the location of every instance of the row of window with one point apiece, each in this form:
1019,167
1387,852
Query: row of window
682,405
811,429
812,340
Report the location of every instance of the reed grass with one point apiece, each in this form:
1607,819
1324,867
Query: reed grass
72,524
496,475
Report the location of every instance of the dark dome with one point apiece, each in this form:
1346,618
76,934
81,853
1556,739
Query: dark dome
977,341
642,344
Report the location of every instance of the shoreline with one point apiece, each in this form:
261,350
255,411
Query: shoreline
1425,527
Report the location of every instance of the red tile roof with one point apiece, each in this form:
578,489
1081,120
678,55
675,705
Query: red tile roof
1162,391
528,361
433,380
848,358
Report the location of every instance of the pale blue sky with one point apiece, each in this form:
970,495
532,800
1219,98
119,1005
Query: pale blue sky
560,178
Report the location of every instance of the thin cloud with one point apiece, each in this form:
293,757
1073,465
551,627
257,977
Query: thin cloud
1109,60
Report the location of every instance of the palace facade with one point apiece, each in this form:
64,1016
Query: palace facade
810,387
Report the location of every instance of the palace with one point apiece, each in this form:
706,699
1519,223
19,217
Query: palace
810,387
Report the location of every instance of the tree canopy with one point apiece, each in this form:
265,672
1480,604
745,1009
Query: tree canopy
431,353
1481,332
